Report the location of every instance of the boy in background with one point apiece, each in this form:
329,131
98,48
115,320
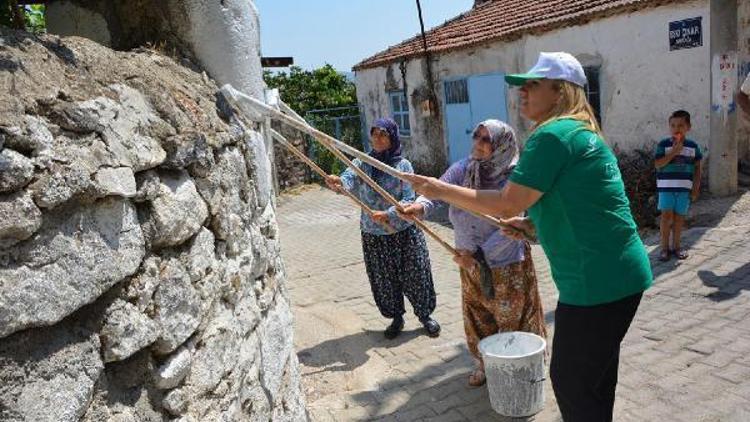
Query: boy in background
678,180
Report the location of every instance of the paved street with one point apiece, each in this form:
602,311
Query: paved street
686,357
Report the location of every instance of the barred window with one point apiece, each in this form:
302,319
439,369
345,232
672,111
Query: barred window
593,90
457,92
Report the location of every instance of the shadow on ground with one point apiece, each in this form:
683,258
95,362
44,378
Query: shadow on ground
349,352
728,286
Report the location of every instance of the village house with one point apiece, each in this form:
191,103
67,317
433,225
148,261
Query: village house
643,59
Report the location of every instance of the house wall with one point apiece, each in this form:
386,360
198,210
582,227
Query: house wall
642,82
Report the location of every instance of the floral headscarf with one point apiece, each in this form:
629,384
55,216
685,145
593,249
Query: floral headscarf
489,173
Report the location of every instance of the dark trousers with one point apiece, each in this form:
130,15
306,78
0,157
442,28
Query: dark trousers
586,356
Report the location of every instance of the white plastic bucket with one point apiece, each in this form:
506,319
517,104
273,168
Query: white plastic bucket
514,366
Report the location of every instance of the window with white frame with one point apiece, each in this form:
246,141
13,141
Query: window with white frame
400,111
593,90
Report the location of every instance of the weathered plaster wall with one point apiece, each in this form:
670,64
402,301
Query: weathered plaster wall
425,146
642,81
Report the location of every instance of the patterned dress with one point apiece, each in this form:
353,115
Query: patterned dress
516,305
397,264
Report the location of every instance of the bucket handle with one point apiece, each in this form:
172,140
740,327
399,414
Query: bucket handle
538,381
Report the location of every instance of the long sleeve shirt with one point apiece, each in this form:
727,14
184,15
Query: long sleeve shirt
402,191
471,232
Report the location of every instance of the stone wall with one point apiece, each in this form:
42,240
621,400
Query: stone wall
140,276
291,172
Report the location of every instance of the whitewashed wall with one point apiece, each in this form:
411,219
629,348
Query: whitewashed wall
642,82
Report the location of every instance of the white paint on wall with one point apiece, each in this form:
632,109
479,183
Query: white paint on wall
225,37
724,80
642,82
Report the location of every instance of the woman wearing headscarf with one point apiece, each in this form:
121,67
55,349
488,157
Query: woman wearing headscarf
569,181
395,251
498,282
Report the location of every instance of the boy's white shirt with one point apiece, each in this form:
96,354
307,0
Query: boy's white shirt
745,88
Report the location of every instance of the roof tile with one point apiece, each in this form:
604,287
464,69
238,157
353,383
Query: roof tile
505,20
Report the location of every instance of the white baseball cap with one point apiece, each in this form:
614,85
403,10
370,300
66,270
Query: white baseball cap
560,66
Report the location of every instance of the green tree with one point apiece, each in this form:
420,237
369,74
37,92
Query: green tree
305,90
29,17
34,17
321,89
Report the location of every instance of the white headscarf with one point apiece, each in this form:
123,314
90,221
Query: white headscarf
489,173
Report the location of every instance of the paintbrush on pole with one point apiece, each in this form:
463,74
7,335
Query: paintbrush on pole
239,99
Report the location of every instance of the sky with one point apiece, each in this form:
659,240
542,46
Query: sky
343,32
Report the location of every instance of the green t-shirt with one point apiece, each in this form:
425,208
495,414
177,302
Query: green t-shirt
583,219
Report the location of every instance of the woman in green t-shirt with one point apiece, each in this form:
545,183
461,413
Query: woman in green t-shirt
568,180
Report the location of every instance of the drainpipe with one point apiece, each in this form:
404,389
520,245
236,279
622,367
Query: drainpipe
428,58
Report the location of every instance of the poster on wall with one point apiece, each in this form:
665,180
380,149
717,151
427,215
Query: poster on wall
687,33
724,83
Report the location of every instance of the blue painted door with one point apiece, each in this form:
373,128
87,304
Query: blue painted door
457,119
469,101
487,98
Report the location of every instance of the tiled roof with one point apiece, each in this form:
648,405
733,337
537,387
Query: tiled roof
506,20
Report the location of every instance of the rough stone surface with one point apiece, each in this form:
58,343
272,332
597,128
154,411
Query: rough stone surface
19,218
139,262
175,368
126,330
178,212
274,331
120,124
177,307
118,181
31,136
48,374
77,255
291,171
16,171
186,149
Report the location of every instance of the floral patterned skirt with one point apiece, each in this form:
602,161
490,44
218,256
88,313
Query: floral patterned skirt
515,307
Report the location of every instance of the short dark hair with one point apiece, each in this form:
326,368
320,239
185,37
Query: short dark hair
681,114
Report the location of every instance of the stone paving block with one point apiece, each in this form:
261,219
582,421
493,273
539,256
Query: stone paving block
720,358
706,346
420,412
472,411
360,413
735,373
450,416
321,415
726,404
447,403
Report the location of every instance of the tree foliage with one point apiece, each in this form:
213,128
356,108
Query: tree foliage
321,89
305,90
31,15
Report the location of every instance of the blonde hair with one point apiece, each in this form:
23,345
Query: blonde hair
572,104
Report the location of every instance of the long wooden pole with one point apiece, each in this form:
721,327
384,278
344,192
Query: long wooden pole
325,141
299,123
283,141
375,163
